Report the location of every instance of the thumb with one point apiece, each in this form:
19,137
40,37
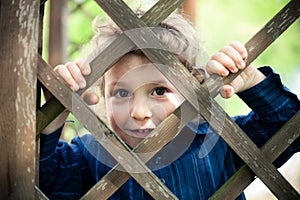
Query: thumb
227,91
91,98
233,87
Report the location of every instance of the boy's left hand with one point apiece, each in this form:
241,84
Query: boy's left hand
230,59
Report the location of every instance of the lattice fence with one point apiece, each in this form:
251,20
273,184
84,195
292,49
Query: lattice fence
204,103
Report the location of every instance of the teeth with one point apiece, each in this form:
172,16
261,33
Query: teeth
144,131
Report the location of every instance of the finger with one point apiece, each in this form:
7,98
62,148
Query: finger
214,67
90,98
83,66
76,74
233,54
240,47
227,91
66,75
226,61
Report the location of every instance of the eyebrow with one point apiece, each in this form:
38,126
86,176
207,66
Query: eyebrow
114,83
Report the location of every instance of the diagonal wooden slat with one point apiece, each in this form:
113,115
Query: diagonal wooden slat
39,195
272,150
236,184
261,40
103,182
142,36
123,45
231,133
156,14
165,132
129,161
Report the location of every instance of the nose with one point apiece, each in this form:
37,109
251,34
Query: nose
140,109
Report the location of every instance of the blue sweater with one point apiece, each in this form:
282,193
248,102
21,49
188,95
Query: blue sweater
193,166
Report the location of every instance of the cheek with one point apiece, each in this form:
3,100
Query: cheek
114,126
117,114
175,99
161,111
162,108
167,107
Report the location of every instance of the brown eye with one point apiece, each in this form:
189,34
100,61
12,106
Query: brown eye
159,91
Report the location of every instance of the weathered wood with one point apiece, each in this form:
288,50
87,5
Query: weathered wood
253,157
47,113
18,58
115,178
272,150
152,17
231,132
123,45
39,195
57,38
122,154
39,87
144,38
261,40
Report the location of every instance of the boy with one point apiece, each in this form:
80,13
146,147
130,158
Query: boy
138,97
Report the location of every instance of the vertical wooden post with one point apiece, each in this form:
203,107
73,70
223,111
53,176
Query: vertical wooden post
57,33
18,65
189,8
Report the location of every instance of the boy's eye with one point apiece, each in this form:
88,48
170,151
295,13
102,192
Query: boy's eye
160,91
121,93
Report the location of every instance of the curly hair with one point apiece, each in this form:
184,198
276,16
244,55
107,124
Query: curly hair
175,32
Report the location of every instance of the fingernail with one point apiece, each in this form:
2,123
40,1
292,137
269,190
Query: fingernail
225,73
242,64
86,71
82,84
75,87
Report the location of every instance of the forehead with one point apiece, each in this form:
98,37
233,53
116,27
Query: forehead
134,69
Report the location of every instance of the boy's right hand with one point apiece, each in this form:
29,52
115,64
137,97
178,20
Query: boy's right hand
74,74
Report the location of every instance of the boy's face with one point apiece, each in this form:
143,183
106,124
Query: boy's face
138,97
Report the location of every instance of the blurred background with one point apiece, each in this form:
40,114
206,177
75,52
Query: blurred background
218,23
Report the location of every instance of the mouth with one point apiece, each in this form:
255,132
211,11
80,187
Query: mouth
141,133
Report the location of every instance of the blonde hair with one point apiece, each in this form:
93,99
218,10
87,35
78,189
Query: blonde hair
175,32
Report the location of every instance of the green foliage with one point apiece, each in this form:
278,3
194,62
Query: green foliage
219,22
79,24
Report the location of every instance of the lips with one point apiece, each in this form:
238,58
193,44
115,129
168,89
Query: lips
140,132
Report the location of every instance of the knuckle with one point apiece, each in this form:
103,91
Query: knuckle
209,66
235,43
58,68
71,65
226,48
217,56
68,64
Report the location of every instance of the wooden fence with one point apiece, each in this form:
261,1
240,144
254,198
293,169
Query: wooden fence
22,120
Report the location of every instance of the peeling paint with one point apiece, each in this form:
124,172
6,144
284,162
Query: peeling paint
102,185
148,187
120,158
48,78
290,141
164,192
